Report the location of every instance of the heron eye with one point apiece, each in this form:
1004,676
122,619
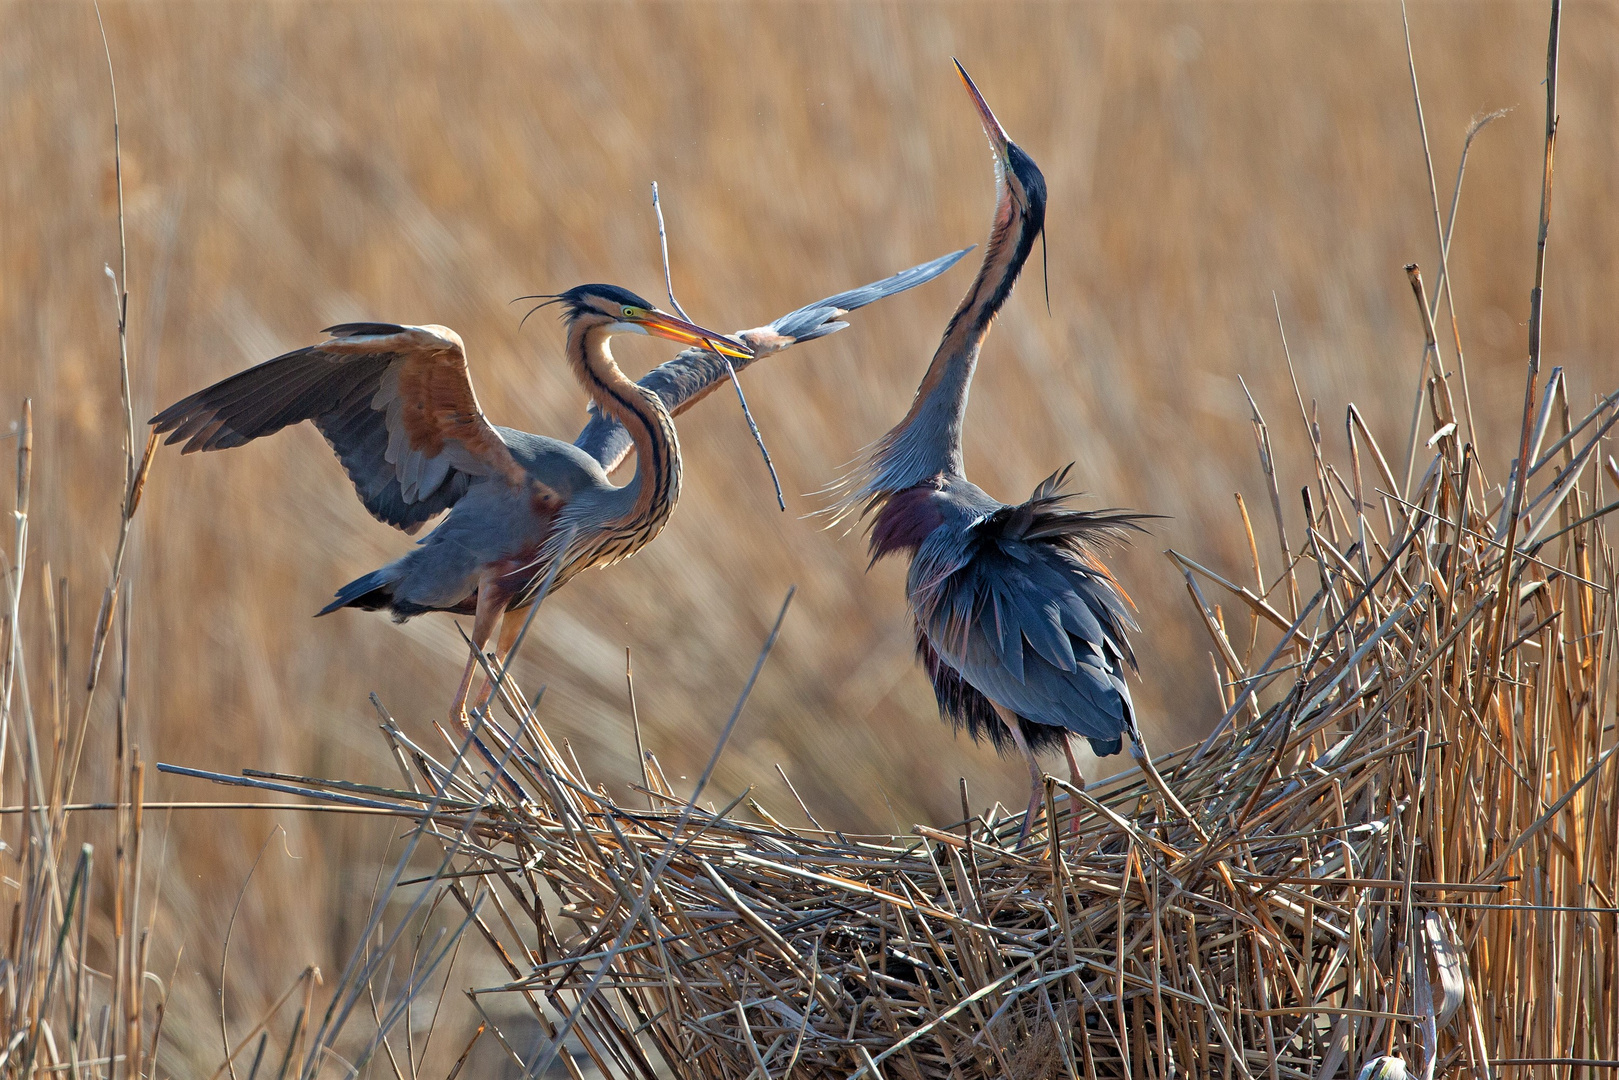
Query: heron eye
629,312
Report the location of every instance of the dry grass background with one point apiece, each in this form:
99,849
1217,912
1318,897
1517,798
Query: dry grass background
291,165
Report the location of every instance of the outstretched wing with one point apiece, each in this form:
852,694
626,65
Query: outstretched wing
394,402
1020,606
690,376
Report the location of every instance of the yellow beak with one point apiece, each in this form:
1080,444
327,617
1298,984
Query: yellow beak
667,326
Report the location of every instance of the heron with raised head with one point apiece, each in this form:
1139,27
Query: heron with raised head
396,405
1019,625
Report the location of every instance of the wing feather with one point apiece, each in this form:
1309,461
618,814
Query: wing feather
1016,604
395,403
260,406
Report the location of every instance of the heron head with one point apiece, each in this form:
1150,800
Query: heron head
1013,167
620,311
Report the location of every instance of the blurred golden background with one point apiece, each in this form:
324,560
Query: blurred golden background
289,165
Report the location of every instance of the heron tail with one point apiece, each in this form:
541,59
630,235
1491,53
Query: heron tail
373,592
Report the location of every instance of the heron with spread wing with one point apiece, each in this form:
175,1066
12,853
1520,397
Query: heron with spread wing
1019,625
396,405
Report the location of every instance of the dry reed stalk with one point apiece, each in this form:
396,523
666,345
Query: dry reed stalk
51,989
72,1001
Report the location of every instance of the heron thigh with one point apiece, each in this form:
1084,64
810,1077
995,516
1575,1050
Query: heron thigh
492,601
510,626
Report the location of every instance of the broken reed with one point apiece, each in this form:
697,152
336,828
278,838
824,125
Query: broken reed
1411,848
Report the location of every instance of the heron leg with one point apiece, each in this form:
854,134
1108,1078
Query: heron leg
1037,780
1073,762
1078,779
491,603
510,626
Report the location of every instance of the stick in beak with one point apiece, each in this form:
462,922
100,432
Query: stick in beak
668,326
992,127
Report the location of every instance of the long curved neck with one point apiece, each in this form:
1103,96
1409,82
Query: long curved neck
679,383
927,442
651,495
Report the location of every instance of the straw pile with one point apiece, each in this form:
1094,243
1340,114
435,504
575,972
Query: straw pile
1411,850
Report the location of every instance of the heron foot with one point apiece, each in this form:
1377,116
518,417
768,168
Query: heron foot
462,720
1033,809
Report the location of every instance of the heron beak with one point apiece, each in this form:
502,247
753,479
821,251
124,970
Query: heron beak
667,326
992,127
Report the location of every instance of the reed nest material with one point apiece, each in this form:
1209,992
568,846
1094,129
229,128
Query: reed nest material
1409,849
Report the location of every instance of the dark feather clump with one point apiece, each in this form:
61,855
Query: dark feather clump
1046,518
364,329
965,707
1019,611
578,297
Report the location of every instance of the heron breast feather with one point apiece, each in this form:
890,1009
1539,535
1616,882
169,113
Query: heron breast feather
906,519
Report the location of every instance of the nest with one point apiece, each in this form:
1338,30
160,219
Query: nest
1401,839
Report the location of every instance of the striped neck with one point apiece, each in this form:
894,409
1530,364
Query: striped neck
925,446
651,495
927,441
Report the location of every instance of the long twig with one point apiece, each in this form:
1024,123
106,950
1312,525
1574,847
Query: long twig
747,414
635,724
14,577
1441,233
224,958
1478,124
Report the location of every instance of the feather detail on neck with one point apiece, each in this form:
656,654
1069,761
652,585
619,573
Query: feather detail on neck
642,506
926,444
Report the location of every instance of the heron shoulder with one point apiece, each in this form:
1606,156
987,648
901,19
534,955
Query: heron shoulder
930,520
560,466
967,501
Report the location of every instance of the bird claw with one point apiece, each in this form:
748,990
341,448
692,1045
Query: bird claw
1023,833
1028,815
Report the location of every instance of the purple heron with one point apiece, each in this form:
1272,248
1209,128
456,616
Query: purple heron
1018,624
396,405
